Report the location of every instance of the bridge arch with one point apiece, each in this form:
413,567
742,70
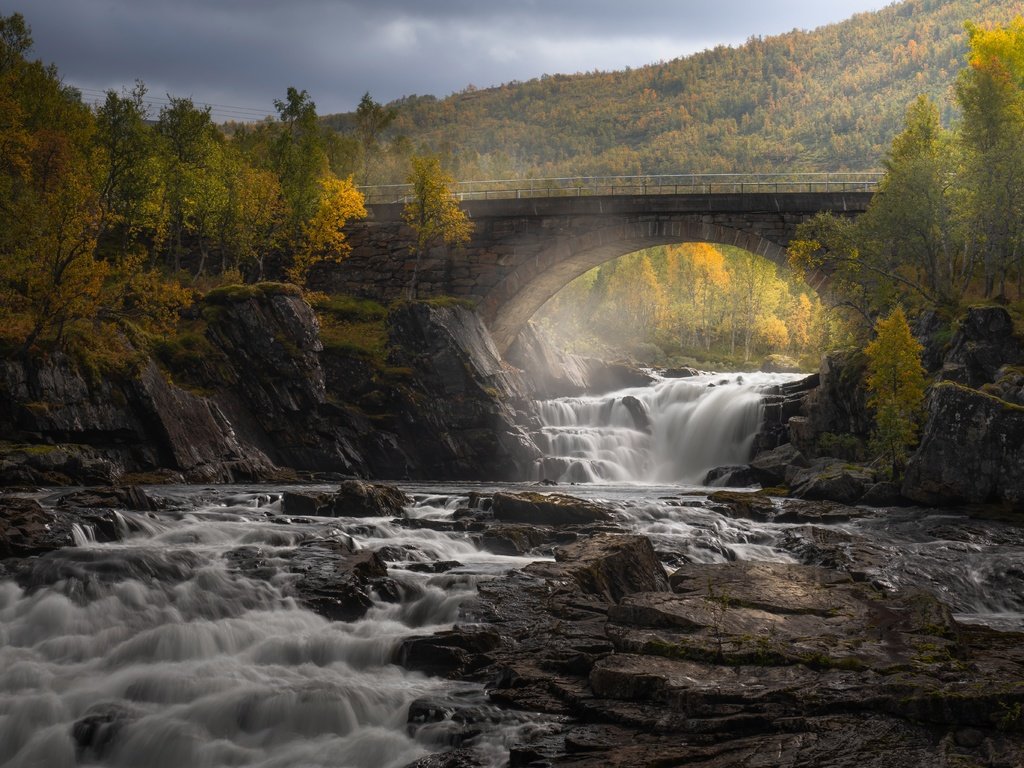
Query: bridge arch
512,302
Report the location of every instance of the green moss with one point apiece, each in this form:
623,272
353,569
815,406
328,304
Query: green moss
29,449
184,352
1006,406
443,302
822,661
350,326
191,361
841,446
227,294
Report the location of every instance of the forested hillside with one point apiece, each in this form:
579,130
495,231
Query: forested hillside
829,99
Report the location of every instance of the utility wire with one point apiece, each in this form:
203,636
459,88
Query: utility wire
222,111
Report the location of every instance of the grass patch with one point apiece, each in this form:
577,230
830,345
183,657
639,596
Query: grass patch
352,326
190,360
28,449
350,309
228,294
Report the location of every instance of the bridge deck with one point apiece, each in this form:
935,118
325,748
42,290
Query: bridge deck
672,184
791,202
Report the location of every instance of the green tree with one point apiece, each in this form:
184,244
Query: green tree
372,119
433,213
129,188
909,228
299,157
896,385
188,147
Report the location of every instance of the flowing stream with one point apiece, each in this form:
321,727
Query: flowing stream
672,432
163,652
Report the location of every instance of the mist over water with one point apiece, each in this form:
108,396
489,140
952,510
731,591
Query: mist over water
672,432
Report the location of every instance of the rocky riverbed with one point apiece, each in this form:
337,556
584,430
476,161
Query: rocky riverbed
466,626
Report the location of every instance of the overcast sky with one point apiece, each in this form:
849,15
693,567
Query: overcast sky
243,54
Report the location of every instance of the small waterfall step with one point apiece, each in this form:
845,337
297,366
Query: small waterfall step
673,431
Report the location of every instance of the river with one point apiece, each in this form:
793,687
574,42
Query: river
166,653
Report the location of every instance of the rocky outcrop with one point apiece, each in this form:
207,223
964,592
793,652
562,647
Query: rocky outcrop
971,450
607,565
806,664
781,403
983,343
836,407
466,406
353,498
264,395
832,480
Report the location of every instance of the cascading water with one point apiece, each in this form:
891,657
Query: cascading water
674,431
158,652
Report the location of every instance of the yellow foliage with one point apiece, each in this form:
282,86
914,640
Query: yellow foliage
323,235
896,385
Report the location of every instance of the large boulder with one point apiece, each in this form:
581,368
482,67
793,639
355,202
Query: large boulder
609,566
776,467
836,407
832,480
983,343
27,529
353,498
971,450
547,509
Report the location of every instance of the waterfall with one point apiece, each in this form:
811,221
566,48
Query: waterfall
673,431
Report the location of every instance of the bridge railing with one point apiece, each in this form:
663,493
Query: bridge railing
670,184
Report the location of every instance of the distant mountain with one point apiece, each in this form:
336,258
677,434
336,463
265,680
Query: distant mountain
825,100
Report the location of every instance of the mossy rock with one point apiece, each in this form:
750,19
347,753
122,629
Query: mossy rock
229,294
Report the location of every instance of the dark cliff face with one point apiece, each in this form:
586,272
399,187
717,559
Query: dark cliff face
268,398
466,404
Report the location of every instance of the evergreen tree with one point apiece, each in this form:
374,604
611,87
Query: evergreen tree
896,384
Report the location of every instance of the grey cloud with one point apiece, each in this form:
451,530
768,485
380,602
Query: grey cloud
247,52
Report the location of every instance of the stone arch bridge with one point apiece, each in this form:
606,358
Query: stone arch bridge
526,247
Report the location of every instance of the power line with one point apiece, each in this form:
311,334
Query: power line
250,114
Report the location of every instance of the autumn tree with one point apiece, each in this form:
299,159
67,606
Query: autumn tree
990,93
755,292
433,213
896,385
252,224
49,207
323,237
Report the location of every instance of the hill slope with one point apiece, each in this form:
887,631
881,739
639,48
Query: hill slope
829,99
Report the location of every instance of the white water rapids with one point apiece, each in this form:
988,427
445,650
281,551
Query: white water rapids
189,664
176,658
672,432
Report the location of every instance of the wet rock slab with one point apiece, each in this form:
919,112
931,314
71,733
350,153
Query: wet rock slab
742,664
